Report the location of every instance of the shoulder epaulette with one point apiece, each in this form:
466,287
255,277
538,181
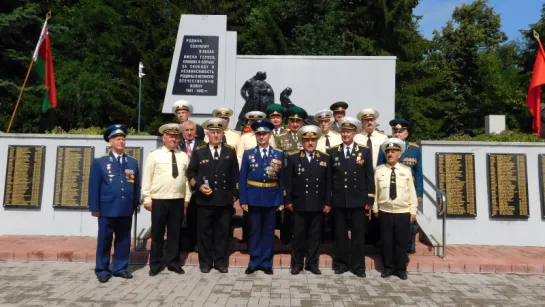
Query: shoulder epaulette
336,146
104,155
361,145
202,146
156,149
228,146
283,133
380,166
413,144
323,152
405,166
294,152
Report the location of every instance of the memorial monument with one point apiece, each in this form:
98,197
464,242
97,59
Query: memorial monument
258,94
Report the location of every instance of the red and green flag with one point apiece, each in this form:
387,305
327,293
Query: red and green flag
43,60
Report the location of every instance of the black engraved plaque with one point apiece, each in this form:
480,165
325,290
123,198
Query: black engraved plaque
72,176
135,152
24,176
456,178
508,186
197,72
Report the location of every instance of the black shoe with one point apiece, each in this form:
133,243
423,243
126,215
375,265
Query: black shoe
222,269
386,274
268,271
153,273
402,275
205,270
340,271
104,279
411,251
124,274
250,270
295,271
360,274
314,270
177,269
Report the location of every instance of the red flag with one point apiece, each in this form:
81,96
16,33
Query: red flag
534,91
44,66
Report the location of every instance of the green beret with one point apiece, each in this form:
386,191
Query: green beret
297,113
275,109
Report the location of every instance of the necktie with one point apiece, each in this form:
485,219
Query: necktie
347,152
216,155
327,144
188,148
275,131
393,188
370,144
311,157
174,165
265,153
119,160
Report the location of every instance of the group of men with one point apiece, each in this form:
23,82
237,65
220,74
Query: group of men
344,172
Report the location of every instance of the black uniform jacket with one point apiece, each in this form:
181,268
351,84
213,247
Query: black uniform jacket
353,182
307,184
222,175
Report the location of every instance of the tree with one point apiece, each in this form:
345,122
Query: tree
16,18
482,68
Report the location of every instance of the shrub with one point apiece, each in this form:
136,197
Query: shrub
506,136
90,131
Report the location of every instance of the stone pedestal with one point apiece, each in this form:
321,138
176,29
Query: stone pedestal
494,124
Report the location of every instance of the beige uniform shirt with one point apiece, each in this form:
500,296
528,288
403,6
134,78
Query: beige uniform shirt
157,180
334,140
231,136
247,141
405,200
377,138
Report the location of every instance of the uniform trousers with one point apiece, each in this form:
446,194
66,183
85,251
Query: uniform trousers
412,233
262,224
107,228
165,212
394,230
349,254
188,235
245,227
214,231
286,228
307,231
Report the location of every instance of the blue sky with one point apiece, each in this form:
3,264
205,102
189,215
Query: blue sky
515,14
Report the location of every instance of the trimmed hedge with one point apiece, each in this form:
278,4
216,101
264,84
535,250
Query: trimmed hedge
91,131
506,136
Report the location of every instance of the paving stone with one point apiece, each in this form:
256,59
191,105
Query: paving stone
74,284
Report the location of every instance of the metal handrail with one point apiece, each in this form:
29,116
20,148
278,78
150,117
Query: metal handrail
443,212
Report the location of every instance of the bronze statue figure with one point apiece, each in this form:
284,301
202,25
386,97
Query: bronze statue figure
257,94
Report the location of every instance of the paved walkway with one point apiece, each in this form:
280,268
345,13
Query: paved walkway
460,258
73,284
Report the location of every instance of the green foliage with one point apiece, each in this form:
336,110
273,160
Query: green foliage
445,86
506,136
90,131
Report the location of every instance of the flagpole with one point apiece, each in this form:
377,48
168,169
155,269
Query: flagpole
537,115
47,17
139,101
141,75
